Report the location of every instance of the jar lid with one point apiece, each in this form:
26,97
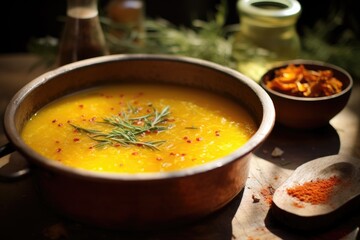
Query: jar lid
273,10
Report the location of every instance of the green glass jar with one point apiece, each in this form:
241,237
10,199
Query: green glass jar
267,35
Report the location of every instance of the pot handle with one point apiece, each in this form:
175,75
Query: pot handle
13,166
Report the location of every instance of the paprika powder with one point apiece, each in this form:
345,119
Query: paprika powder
316,191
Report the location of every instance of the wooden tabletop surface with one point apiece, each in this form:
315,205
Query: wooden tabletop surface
248,216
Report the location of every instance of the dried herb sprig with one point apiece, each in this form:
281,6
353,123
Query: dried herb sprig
126,129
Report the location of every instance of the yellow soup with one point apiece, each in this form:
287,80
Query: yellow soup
139,128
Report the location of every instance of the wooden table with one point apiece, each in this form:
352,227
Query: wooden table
23,216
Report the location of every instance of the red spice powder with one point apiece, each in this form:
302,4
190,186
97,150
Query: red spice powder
267,193
252,238
298,205
315,192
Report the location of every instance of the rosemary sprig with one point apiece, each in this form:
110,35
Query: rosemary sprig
192,127
125,129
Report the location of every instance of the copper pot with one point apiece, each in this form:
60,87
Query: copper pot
139,201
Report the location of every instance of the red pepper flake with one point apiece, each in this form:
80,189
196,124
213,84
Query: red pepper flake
112,109
81,106
159,159
58,150
217,133
185,138
188,141
117,145
60,125
198,139
134,153
76,139
68,121
172,154
57,141
183,154
53,121
138,95
91,147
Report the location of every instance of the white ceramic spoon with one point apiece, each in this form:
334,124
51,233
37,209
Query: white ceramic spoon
344,197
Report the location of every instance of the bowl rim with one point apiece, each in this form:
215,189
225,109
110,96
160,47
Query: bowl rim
308,62
264,129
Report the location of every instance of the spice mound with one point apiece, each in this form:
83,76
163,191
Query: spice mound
301,82
315,192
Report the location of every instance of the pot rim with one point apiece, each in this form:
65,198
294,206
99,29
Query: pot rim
266,124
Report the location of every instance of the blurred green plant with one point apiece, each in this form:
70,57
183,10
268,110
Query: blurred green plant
212,40
330,40
46,48
209,40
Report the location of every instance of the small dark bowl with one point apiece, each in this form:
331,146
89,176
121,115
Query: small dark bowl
308,112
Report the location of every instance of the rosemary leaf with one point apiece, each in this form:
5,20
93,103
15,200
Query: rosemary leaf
84,130
125,129
192,127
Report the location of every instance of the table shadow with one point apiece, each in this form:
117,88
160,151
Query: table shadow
215,226
38,221
344,226
299,145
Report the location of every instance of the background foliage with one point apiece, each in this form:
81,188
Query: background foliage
332,36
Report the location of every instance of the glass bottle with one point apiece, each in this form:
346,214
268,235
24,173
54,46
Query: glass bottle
267,35
82,36
128,16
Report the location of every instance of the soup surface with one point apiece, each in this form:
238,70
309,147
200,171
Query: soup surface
139,128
